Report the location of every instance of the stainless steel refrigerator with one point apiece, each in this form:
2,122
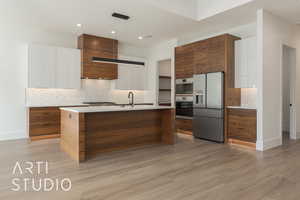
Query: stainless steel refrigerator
208,121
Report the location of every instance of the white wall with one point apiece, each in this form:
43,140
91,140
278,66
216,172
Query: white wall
244,31
272,33
158,53
208,8
286,77
297,89
13,70
179,7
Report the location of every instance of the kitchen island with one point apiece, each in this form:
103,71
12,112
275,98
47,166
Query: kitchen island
89,131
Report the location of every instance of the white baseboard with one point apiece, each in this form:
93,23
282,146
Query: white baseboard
268,144
13,135
297,137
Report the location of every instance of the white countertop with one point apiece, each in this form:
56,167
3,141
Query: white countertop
93,109
55,105
241,107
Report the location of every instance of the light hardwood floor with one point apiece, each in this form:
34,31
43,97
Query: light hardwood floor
190,170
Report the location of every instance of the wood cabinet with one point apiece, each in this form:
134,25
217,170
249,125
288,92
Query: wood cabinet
242,124
44,122
184,61
53,67
132,77
201,57
93,46
184,126
246,63
210,55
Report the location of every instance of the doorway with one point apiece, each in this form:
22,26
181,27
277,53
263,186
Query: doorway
288,109
164,83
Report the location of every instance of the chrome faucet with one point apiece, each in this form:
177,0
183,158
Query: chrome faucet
131,102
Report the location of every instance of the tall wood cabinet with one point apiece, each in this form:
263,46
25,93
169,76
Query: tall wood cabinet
94,46
215,54
184,61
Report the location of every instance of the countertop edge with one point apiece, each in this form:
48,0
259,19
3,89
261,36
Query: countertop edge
115,110
240,107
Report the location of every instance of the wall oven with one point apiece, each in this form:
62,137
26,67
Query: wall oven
184,86
184,106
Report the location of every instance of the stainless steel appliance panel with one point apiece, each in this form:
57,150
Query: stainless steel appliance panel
214,90
184,86
200,90
209,125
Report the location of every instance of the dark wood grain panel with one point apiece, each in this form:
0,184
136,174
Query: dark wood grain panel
93,46
119,130
44,121
110,131
73,134
184,61
168,126
201,57
105,71
97,43
242,124
216,53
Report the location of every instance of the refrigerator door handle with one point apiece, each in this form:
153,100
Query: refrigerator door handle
197,99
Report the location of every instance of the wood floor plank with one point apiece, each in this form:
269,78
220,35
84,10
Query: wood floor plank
190,170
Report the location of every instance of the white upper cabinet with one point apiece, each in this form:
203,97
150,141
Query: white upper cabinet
131,77
68,68
42,62
54,67
246,63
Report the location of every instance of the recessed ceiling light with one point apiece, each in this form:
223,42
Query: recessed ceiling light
113,32
140,37
79,25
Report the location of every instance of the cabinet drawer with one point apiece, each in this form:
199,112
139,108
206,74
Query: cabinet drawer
242,124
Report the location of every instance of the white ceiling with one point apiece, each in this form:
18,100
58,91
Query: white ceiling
147,18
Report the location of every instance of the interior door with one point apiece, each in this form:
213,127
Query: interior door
214,94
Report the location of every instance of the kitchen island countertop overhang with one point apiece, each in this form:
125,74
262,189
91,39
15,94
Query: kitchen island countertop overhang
89,131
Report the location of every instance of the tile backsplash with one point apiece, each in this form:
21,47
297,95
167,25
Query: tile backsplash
91,91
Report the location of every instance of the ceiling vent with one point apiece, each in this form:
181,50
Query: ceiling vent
120,16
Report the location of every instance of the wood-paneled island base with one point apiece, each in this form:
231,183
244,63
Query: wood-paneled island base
86,134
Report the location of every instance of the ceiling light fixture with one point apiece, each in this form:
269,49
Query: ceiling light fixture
140,37
79,25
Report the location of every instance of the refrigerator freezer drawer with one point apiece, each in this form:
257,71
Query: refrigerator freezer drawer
209,128
210,113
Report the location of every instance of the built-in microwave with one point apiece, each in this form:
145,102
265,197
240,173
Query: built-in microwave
184,86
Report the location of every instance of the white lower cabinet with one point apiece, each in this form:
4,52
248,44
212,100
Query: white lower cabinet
54,67
246,63
131,77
